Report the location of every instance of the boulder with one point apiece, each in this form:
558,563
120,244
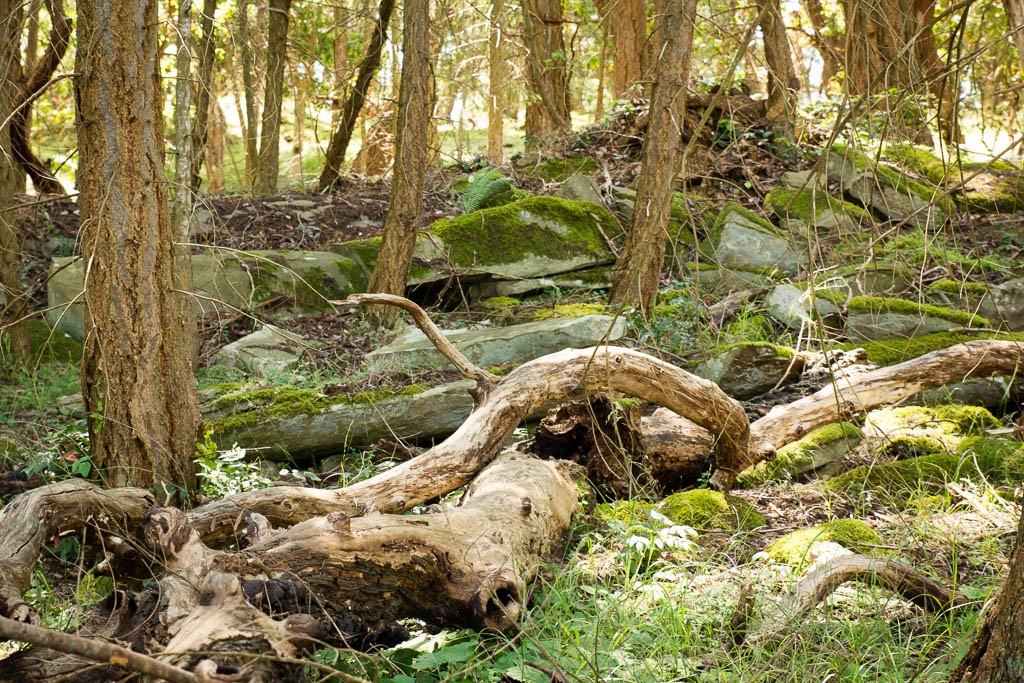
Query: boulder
721,281
804,208
581,188
987,185
226,281
578,280
1005,304
871,318
531,238
791,305
268,351
742,240
489,347
749,369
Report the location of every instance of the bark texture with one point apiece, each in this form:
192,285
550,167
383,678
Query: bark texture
635,278
626,27
495,86
547,70
415,104
206,101
342,135
137,380
782,80
266,172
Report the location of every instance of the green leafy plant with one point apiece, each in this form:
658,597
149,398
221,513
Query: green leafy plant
224,473
488,187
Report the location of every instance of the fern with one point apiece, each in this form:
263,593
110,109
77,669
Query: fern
487,187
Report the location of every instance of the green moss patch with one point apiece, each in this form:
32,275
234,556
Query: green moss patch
624,512
899,480
887,352
915,431
762,224
559,170
779,350
570,311
901,182
49,345
853,534
706,509
877,304
807,204
994,186
799,456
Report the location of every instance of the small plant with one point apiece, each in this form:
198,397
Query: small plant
486,188
225,473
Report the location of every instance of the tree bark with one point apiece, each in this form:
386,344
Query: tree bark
626,27
415,103
782,80
994,656
13,300
496,86
637,271
357,97
266,173
1014,10
205,100
339,71
137,380
180,200
251,126
547,71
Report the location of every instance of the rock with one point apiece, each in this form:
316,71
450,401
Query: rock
489,347
268,351
582,189
721,281
227,281
742,240
886,190
821,447
554,170
870,318
791,306
987,185
794,548
1005,304
579,280
749,369
814,208
872,279
799,180
531,238
303,423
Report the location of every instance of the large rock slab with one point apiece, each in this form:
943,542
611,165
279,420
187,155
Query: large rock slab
303,423
268,351
1005,304
870,318
226,281
741,240
886,190
531,238
800,209
749,369
489,347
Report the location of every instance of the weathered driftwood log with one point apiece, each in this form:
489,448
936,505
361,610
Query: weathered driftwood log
680,440
451,464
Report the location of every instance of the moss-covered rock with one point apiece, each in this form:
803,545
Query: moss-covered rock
900,481
707,509
816,208
886,352
624,512
852,534
987,186
558,170
741,239
872,318
820,447
913,431
746,369
570,311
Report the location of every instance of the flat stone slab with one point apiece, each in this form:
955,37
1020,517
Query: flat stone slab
267,352
489,347
1005,304
743,241
867,326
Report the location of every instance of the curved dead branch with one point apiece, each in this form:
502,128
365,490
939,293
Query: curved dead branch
522,392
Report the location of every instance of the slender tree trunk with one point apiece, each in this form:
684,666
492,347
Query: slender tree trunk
265,177
942,85
626,25
251,126
357,97
204,95
1014,10
547,72
415,102
782,80
12,302
602,70
496,87
137,381
181,195
299,123
215,147
828,47
340,52
637,271
995,654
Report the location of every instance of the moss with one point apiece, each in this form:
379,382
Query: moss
806,204
559,170
706,509
994,192
624,511
570,311
548,227
363,252
877,304
783,352
762,224
799,455
320,286
49,345
892,351
499,303
353,273
225,388
899,479
958,288
894,179
853,534
918,431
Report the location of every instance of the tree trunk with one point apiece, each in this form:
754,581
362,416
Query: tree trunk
995,655
12,301
943,86
339,51
636,276
415,103
215,148
137,380
547,71
496,86
357,97
204,96
181,195
826,43
251,125
626,26
1014,10
265,176
782,80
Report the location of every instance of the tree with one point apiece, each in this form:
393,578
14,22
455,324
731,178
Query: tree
205,101
638,270
547,70
782,80
415,103
137,380
626,22
995,654
496,86
265,174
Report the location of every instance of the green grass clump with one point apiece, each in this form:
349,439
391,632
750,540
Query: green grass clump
798,456
852,534
624,512
707,509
